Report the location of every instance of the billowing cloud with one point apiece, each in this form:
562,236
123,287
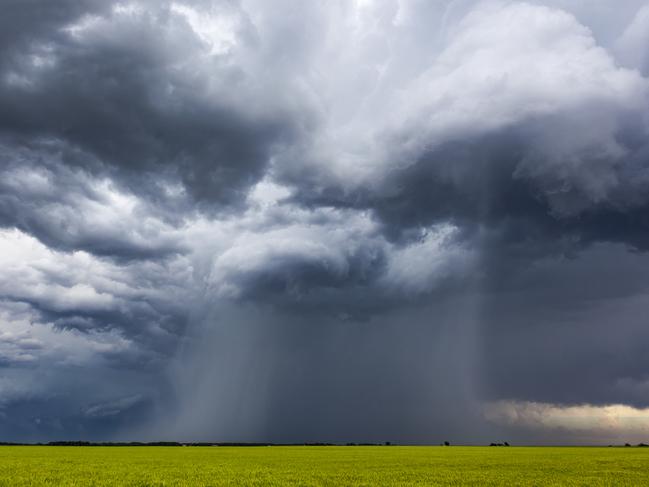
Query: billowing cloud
337,221
136,91
67,209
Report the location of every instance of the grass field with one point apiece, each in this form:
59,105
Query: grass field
387,465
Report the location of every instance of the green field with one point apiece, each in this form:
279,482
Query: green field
379,465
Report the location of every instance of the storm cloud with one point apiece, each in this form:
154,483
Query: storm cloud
330,221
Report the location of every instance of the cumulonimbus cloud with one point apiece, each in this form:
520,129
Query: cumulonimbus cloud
164,164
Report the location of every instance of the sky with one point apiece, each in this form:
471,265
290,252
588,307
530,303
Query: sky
333,221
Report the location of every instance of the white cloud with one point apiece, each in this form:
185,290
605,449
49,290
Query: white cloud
508,64
423,265
632,47
217,27
75,208
608,421
26,341
58,281
504,68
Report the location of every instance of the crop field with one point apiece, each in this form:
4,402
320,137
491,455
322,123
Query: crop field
328,465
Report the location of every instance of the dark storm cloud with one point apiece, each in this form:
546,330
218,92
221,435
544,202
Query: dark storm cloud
488,189
569,332
23,22
573,328
325,222
119,89
291,378
63,403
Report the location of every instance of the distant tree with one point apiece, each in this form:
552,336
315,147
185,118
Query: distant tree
506,444
446,443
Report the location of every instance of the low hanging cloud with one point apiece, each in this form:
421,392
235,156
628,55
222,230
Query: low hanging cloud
617,421
314,219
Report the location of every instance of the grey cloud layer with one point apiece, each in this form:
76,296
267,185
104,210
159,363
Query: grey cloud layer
136,93
193,191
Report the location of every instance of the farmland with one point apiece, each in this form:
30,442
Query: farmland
328,465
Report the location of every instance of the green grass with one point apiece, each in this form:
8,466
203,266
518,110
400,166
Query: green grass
381,465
